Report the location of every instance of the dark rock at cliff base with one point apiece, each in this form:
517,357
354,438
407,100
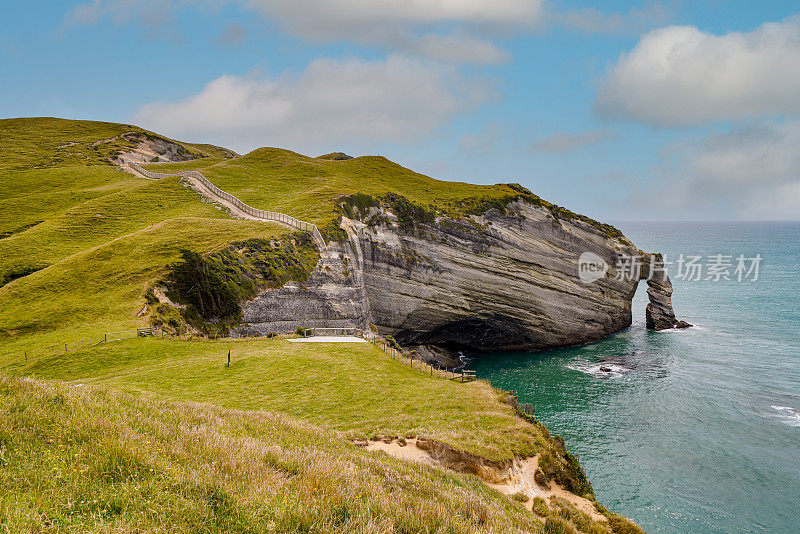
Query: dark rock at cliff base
682,325
438,356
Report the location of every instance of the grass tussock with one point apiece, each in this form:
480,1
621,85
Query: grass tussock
91,460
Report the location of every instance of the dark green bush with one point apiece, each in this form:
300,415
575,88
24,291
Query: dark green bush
540,507
558,525
520,497
408,213
202,284
393,343
357,205
213,287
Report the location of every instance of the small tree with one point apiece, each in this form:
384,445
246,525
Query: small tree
393,343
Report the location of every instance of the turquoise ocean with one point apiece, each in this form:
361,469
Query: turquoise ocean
695,430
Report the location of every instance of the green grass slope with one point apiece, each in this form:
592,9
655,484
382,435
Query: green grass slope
81,240
307,188
352,388
42,142
91,460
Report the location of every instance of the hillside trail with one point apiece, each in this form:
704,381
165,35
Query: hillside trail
204,191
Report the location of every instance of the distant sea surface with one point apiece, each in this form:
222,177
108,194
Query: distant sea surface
695,430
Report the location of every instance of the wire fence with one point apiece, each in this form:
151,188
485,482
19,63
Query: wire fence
74,345
463,375
224,195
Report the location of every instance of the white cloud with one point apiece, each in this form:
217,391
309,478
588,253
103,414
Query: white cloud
233,35
452,48
330,104
457,31
750,172
680,76
592,20
448,30
756,154
340,18
564,142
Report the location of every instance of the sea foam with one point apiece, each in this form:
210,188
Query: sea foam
789,415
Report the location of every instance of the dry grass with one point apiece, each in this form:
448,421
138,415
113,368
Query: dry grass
91,460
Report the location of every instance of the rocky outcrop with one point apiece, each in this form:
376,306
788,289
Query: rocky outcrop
152,148
331,297
659,314
498,281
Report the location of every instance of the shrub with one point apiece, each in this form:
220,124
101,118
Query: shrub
622,525
558,525
408,213
202,285
540,507
393,343
333,232
357,205
520,497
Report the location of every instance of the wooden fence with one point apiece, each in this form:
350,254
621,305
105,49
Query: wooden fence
463,375
224,195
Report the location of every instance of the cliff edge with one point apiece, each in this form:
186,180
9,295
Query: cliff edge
504,278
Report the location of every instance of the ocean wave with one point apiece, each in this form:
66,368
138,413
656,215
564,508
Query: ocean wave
696,327
600,370
789,415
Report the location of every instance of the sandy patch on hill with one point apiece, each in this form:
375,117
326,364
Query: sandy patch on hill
518,478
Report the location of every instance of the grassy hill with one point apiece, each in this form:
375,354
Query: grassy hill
81,242
281,180
85,459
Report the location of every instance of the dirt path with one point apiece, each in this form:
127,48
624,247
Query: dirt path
206,193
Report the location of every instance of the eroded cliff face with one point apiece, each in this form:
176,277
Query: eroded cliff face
494,282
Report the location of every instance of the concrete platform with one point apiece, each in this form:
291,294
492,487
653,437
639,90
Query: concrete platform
328,339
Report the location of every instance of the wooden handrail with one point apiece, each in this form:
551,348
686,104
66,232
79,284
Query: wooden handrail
253,212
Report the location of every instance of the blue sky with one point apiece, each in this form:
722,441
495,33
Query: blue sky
620,110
